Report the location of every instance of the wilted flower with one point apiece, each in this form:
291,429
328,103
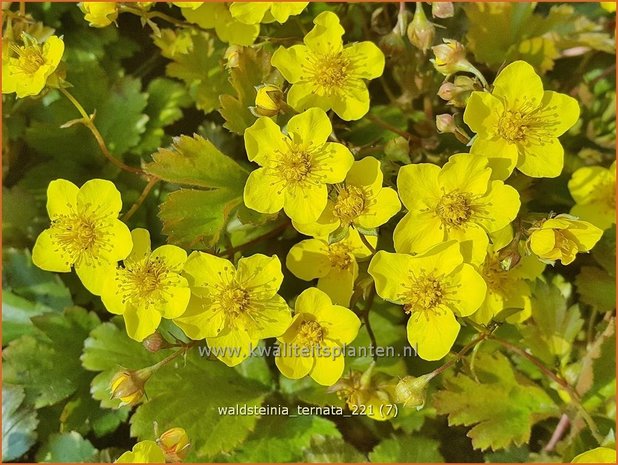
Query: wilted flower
411,391
128,385
421,31
268,101
175,444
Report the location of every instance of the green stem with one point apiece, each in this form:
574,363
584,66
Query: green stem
458,356
389,127
138,203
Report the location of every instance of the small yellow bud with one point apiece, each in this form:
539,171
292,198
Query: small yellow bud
442,10
411,391
445,123
128,386
420,31
450,57
175,444
268,101
232,56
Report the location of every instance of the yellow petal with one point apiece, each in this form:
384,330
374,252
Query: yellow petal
304,204
272,320
386,206
542,242
389,271
232,346
310,127
483,111
313,301
501,155
91,274
112,296
175,299
48,256
417,232
599,454
542,161
560,112
263,140
141,245
334,162
203,270
585,182
600,214
281,11
473,242
121,241
201,319
432,334
100,195
586,234
499,207
141,322
61,198
172,256
418,186
303,95
442,258
261,274
519,85
249,12
352,102
466,290
325,37
321,229
328,370
366,173
308,259
289,61
341,324
339,284
465,173
368,60
263,192
293,367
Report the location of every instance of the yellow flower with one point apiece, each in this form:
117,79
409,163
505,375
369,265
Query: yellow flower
334,265
451,59
594,191
360,202
562,237
599,454
457,202
28,68
143,452
128,386
85,232
234,308
433,287
216,15
608,6
313,343
265,12
147,287
99,14
268,100
518,124
296,167
175,444
327,75
507,289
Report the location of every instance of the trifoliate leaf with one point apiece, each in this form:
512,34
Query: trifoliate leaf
596,288
67,447
196,219
195,161
407,449
253,69
201,69
46,363
501,407
280,439
19,423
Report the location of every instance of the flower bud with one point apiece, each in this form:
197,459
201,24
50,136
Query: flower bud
128,386
411,391
447,91
155,342
420,31
392,44
445,123
175,444
99,14
232,56
451,59
442,10
456,93
268,101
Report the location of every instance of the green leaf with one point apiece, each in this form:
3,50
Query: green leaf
195,161
408,449
280,439
67,447
366,132
598,366
596,288
201,69
46,363
332,450
22,217
604,252
19,423
253,69
185,393
502,407
195,219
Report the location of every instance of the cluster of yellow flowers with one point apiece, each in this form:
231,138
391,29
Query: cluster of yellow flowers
458,250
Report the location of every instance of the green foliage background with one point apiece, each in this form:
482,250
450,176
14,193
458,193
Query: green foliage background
61,348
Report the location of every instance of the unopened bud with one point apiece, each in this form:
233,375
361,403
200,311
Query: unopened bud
442,9
155,342
392,44
411,391
447,91
232,56
450,58
445,123
456,93
175,444
128,386
268,101
420,31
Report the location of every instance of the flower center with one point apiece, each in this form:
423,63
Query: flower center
30,58
234,300
527,123
607,191
350,204
330,71
81,236
310,333
295,165
513,126
455,209
145,282
339,256
424,293
495,277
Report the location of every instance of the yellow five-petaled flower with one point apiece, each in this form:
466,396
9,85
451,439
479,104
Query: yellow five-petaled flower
295,168
149,286
327,75
518,124
594,191
265,12
85,232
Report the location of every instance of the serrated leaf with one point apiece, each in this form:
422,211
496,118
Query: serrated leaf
66,447
196,219
598,368
501,407
408,449
596,288
46,363
252,69
280,439
19,423
201,69
195,161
